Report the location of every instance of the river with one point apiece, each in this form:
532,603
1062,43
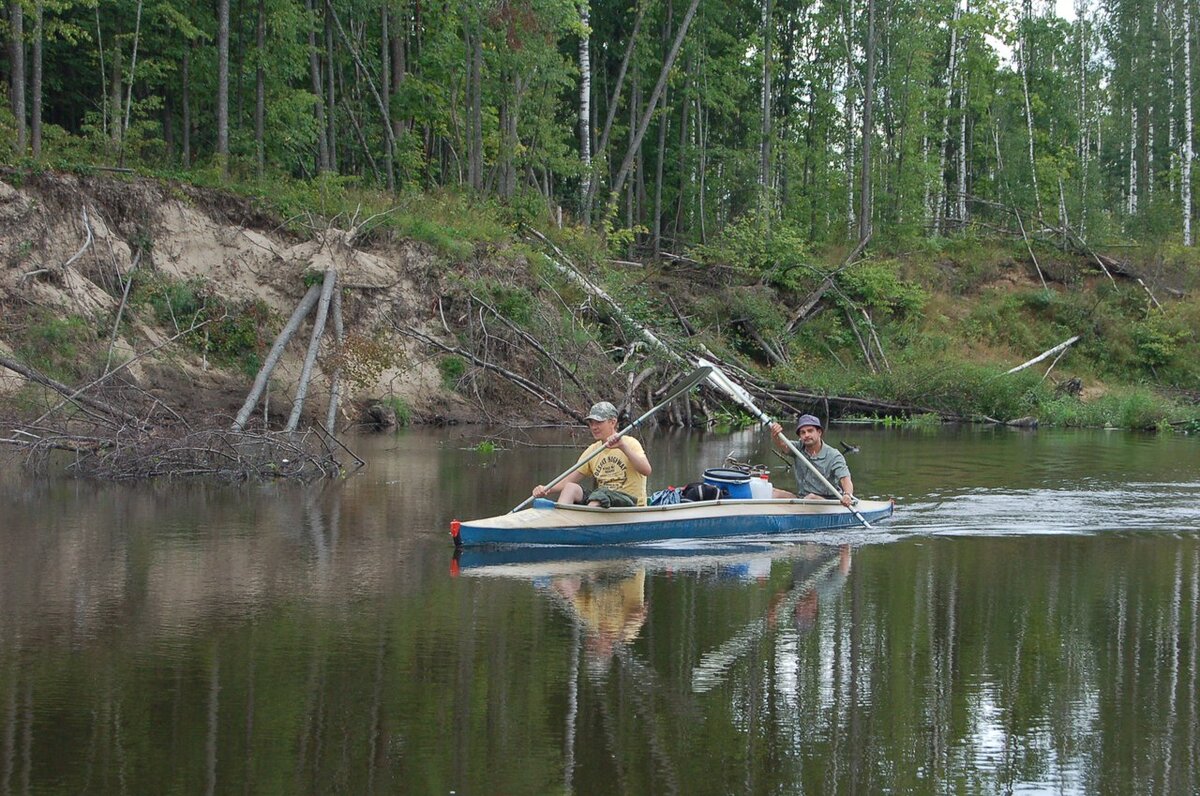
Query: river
1029,621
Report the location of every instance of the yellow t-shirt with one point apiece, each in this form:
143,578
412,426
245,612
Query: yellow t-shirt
612,469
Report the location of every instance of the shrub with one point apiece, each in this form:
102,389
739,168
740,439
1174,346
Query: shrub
401,408
452,368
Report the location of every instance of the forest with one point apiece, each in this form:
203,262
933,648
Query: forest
965,184
661,121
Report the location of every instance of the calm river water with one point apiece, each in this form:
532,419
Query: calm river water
1029,621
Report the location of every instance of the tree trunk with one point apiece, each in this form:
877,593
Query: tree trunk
137,35
335,389
1185,177
314,76
36,86
186,121
848,34
223,84
1131,199
475,72
385,83
951,78
330,94
314,345
613,103
264,373
585,107
16,60
260,90
384,114
643,125
764,155
399,70
1026,23
114,100
961,199
864,211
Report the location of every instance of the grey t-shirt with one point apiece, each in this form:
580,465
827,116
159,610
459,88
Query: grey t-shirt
830,462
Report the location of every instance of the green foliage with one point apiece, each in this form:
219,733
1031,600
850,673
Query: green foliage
400,406
230,332
1136,408
878,284
773,251
56,345
1159,339
512,301
732,417
453,368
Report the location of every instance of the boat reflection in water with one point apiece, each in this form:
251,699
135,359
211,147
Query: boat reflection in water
603,590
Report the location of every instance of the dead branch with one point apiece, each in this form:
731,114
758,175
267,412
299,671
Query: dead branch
1049,353
260,381
74,396
520,381
314,345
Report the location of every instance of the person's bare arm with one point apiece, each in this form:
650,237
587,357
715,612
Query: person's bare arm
637,458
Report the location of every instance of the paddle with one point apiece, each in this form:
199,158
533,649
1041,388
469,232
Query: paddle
722,382
691,380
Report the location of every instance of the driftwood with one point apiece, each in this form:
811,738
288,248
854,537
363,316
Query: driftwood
114,444
165,453
108,414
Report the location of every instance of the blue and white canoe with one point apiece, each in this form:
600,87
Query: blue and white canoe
546,522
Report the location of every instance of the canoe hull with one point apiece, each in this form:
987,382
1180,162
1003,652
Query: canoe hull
547,523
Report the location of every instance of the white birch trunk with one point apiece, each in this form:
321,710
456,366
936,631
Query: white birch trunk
585,102
1027,16
1172,140
1131,204
1185,177
951,76
1149,143
137,32
962,151
925,164
1084,134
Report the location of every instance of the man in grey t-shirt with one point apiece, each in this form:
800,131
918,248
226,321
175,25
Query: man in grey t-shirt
828,460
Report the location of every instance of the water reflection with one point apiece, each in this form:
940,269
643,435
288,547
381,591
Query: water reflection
272,639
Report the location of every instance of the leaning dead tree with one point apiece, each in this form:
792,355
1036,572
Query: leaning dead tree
319,296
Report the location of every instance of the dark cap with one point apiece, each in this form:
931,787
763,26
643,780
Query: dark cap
807,420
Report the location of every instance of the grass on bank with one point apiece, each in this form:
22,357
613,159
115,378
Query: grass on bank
945,350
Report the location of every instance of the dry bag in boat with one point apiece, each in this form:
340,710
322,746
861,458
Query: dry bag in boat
699,491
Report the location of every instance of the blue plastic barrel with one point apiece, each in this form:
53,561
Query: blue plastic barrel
734,482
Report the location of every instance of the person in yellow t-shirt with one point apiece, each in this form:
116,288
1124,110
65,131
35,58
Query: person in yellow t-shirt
619,471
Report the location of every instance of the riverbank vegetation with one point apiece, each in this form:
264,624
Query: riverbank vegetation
871,209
